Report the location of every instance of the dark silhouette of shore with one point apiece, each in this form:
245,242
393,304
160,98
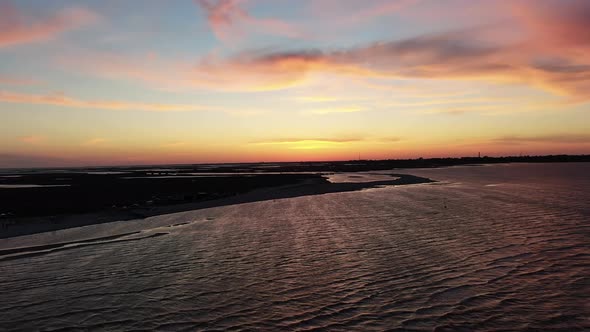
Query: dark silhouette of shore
36,210
309,166
40,200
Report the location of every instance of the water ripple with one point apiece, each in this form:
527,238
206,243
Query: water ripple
514,256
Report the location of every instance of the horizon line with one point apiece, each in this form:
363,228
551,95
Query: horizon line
293,162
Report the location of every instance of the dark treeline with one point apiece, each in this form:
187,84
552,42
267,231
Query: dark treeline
372,165
445,162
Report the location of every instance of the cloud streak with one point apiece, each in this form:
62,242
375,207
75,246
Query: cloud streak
555,24
14,160
332,110
298,140
16,28
229,21
542,59
448,56
60,99
9,80
32,139
557,139
469,54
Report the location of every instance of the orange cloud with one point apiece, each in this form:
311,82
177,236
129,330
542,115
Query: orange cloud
32,139
94,141
391,139
254,72
455,55
15,28
296,140
259,71
229,21
65,101
242,73
542,59
173,145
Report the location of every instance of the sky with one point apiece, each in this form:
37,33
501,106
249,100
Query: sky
115,82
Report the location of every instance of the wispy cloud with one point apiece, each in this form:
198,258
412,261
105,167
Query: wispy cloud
242,73
16,28
383,8
172,145
296,140
554,25
11,80
469,54
450,111
559,139
13,160
331,110
94,141
60,99
32,139
256,71
390,139
229,21
353,12
560,68
149,70
316,99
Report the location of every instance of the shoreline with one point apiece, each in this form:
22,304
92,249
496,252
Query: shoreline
15,227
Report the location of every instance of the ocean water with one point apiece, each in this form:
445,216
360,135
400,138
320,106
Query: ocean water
489,248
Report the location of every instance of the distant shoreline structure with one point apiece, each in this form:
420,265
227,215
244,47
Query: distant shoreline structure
394,163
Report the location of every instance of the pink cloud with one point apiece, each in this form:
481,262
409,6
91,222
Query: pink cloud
10,80
535,55
244,72
94,141
229,21
461,55
16,28
447,56
60,99
554,26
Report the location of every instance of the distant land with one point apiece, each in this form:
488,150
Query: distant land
40,200
346,165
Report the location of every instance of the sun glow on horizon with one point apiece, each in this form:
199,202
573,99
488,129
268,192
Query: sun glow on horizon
233,81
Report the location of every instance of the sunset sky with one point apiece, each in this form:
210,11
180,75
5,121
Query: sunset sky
152,82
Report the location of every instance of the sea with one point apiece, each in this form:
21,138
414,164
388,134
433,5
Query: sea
485,248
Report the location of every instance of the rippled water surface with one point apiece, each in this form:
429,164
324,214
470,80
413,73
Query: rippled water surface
490,248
